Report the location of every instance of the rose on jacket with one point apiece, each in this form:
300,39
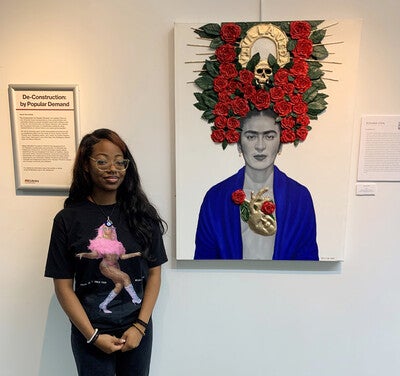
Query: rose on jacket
238,196
218,135
287,135
268,207
300,29
283,108
240,106
230,32
225,53
303,49
261,99
232,136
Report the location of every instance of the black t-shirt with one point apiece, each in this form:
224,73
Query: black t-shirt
73,228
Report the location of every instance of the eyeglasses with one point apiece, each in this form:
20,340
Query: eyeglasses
104,164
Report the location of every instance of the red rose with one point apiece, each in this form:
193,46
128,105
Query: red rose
281,77
248,91
300,67
230,32
287,135
276,93
302,133
303,120
224,97
240,106
218,135
233,123
302,83
232,136
228,70
287,122
246,76
234,85
220,122
238,197
296,98
303,49
287,88
300,29
261,99
221,109
268,207
283,108
220,83
300,108
225,53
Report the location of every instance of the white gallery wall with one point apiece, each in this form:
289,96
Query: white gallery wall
248,318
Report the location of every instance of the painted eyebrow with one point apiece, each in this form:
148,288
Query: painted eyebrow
257,133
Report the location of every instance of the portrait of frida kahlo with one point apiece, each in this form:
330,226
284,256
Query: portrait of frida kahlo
260,90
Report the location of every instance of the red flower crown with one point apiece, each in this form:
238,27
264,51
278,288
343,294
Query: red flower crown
234,82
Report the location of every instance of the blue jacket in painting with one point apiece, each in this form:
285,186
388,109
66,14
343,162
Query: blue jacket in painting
218,234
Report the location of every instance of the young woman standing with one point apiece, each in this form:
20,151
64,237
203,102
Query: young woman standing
107,286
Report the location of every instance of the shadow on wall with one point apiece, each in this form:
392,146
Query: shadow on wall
57,358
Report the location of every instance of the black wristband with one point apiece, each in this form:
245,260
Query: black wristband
141,322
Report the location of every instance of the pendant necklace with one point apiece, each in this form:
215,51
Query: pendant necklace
108,222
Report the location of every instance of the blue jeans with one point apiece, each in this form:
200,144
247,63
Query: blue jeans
91,361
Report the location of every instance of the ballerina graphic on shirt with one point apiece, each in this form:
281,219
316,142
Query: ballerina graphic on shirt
107,247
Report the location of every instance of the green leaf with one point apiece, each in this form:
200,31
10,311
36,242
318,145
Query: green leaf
317,36
209,102
291,45
245,211
283,25
212,68
224,144
199,96
201,33
212,29
216,42
204,82
201,106
253,62
320,52
319,84
310,94
315,23
272,60
208,115
315,108
314,72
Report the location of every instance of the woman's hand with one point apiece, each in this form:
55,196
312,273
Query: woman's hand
109,344
132,338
